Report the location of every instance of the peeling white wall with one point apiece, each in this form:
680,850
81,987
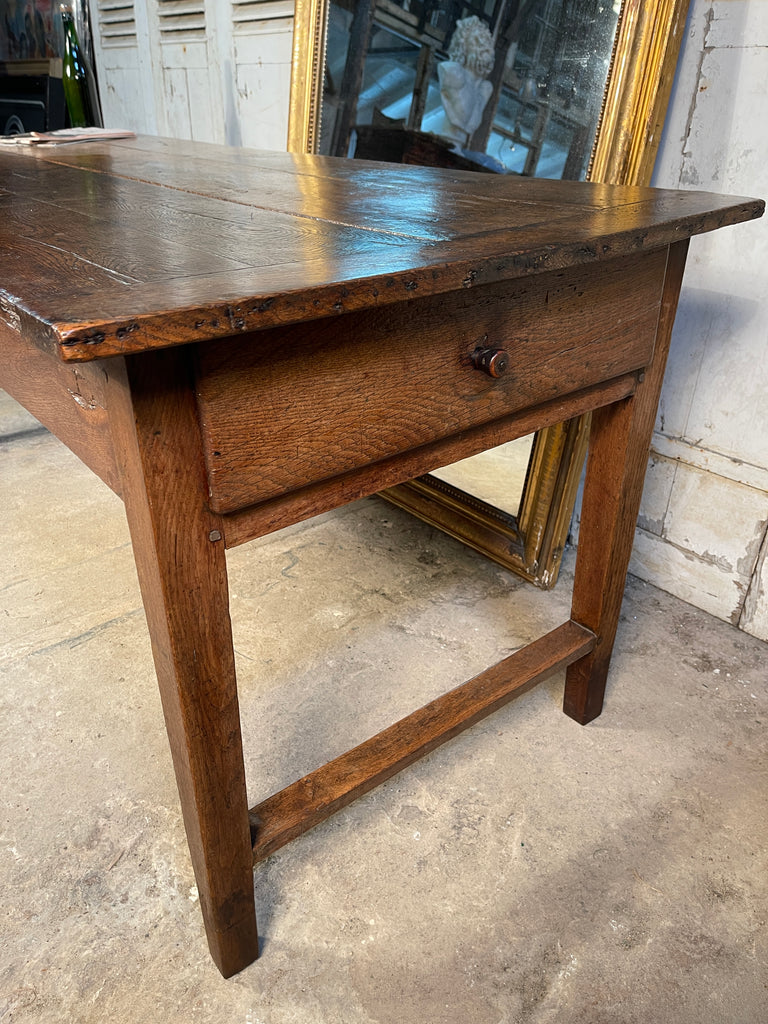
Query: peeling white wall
703,531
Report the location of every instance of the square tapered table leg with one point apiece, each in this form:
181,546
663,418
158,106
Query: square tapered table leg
619,444
180,558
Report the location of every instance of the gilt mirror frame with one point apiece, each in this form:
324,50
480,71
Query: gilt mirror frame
640,77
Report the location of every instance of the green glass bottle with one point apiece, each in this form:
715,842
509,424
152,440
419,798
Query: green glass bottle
77,93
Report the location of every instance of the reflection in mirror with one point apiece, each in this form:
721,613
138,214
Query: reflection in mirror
499,86
507,85
495,477
569,88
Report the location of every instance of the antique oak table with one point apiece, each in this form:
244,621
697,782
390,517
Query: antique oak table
234,341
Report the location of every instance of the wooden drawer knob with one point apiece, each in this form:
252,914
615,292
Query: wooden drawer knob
493,361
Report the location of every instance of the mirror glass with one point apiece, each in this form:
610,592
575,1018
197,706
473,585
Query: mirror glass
495,477
509,85
496,86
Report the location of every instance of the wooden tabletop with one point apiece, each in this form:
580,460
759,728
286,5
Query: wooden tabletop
116,247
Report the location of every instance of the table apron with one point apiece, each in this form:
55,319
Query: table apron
283,410
67,398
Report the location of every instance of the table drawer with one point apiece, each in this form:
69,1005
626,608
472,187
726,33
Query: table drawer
284,408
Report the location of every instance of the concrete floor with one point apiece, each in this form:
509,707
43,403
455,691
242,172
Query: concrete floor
529,871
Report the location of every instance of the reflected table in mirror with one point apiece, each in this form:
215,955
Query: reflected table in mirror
235,341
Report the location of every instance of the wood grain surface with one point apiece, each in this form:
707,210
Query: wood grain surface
182,571
117,247
68,399
257,520
310,800
327,313
619,444
323,400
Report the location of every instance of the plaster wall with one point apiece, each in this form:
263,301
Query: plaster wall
703,530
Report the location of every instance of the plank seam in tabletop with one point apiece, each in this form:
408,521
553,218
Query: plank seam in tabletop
389,175
596,327
553,208
393,178
636,196
134,332
181,304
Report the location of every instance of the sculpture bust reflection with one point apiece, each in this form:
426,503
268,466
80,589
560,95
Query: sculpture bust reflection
464,88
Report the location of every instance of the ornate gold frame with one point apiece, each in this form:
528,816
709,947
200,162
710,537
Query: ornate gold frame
640,79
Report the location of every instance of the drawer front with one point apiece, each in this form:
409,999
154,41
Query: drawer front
284,408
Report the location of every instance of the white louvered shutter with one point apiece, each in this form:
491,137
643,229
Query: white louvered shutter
213,70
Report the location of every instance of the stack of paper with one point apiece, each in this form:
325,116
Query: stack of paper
62,135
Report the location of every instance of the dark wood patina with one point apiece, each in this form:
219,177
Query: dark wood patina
234,341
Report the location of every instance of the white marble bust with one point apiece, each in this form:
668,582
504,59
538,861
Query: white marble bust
464,89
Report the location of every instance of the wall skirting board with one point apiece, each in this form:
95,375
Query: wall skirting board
702,533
